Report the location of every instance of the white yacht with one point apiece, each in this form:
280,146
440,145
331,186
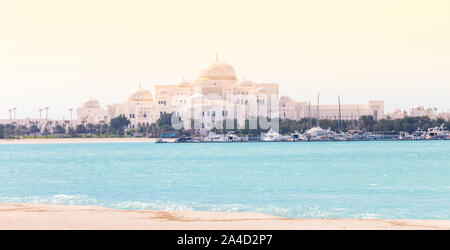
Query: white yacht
341,137
436,133
231,137
317,134
273,135
418,134
213,137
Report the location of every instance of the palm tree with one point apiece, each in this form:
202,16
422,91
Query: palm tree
80,129
33,130
90,128
70,110
46,113
60,130
18,131
14,109
71,131
40,114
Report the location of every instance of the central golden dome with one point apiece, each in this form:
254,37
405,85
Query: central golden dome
218,70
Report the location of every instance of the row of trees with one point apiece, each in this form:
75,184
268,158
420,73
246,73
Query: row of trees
118,127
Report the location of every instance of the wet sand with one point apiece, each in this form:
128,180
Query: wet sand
39,216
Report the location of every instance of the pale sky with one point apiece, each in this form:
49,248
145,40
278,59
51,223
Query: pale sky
58,53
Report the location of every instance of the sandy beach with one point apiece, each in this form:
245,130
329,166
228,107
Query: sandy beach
78,140
39,216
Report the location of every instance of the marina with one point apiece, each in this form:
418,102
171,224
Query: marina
320,134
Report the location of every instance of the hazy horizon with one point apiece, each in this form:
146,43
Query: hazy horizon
58,54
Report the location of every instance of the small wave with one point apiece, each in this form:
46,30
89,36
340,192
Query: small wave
58,199
297,212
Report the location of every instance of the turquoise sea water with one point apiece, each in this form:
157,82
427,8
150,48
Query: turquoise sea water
396,180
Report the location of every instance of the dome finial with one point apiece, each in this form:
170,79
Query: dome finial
217,56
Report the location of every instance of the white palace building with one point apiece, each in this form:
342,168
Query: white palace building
215,95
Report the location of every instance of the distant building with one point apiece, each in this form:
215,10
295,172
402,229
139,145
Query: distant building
422,111
139,108
444,115
294,110
218,95
215,94
92,112
397,114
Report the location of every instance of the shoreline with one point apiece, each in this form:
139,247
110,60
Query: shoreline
44,216
76,140
141,140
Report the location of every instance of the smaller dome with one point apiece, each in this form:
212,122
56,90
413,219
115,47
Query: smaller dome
260,90
91,103
140,95
163,91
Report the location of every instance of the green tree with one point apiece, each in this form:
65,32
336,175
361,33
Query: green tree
119,124
165,122
60,130
90,128
34,129
71,131
2,131
80,129
104,128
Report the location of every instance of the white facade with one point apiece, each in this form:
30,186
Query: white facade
217,95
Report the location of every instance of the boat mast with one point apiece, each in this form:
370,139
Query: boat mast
358,117
340,117
309,116
318,116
